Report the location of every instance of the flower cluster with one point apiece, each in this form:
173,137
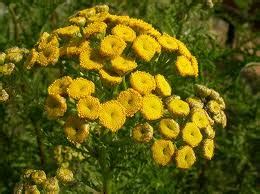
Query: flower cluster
35,181
109,50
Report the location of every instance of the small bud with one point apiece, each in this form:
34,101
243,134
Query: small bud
80,21
38,177
213,107
18,189
64,175
14,55
31,189
27,173
142,132
7,68
170,98
194,102
3,95
202,91
101,8
51,184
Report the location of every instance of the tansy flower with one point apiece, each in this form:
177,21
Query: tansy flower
209,131
195,102
152,108
200,118
221,103
112,46
214,107
7,68
87,63
131,100
220,118
64,175
70,49
202,91
47,40
185,157
68,31
80,88
142,81
101,8
184,66
88,107
191,134
98,17
51,185
118,19
55,106
31,59
3,95
38,177
169,128
183,50
145,47
162,86
14,55
48,55
76,130
163,151
124,32
142,132
214,94
208,148
194,64
78,20
178,107
59,86
95,28
122,65
168,43
112,115
109,79
87,12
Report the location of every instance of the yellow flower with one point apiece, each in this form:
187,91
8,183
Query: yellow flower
87,12
76,130
68,31
195,102
184,66
122,65
14,55
55,106
88,107
202,90
31,59
183,50
220,118
38,177
51,185
194,64
2,58
112,115
59,86
145,47
94,28
31,189
221,103
109,79
118,19
191,134
214,107
78,20
131,100
168,43
112,46
3,95
178,107
209,131
98,17
200,118
185,157
70,49
101,8
142,132
142,81
80,88
48,55
87,63
208,148
169,128
64,175
163,151
124,32
162,86
152,107
47,40
7,68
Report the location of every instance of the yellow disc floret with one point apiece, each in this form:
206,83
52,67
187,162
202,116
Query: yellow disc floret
80,88
191,134
163,151
112,46
55,106
168,43
185,157
169,128
59,86
95,28
109,79
124,32
142,132
178,107
184,66
200,118
152,108
145,47
131,100
162,86
122,65
112,115
88,107
142,81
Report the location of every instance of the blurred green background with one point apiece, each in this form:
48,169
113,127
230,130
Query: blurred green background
223,35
